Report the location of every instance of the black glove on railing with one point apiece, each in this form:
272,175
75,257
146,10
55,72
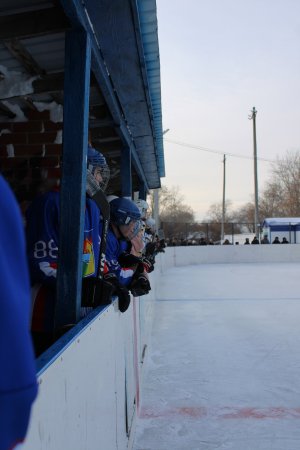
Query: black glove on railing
119,290
95,292
128,260
148,265
140,285
150,249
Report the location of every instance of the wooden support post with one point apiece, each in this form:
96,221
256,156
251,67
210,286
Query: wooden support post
72,198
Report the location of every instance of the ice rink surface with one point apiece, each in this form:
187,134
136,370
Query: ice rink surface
223,369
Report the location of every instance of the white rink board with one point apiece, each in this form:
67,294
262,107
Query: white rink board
214,254
82,394
81,403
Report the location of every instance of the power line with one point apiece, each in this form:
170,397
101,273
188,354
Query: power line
210,150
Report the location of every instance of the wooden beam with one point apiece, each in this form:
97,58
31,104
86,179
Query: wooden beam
100,123
6,111
24,57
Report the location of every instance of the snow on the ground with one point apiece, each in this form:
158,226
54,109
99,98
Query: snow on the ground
223,369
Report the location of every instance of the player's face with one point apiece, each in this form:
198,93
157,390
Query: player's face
128,230
97,175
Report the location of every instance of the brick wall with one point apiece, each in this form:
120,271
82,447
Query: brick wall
30,154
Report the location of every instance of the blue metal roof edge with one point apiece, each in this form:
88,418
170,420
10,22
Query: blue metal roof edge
149,34
78,16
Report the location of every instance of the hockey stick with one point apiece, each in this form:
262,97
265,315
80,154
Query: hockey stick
95,193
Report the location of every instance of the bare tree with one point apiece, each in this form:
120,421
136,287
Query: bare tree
280,196
283,192
214,220
216,210
176,217
245,217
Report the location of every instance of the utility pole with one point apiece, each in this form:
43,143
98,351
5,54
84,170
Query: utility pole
223,207
256,218
156,199
156,209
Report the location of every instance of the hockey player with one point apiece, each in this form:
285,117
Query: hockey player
42,220
18,386
124,254
124,250
143,207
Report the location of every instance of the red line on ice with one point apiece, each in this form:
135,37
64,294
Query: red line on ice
223,413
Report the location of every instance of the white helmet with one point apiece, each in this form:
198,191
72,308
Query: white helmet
95,159
110,198
150,222
143,207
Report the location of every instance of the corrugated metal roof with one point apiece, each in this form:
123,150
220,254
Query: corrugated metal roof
32,36
148,24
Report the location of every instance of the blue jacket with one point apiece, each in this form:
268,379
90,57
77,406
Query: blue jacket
18,387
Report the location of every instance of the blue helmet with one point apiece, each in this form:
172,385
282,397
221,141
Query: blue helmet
123,211
96,159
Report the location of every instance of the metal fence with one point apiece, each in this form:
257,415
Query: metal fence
179,233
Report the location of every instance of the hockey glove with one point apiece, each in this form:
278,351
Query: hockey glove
119,290
150,249
140,285
95,292
148,265
128,260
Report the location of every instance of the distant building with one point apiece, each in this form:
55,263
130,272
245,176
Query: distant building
288,227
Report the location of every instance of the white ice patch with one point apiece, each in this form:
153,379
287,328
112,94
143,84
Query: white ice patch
20,116
58,139
10,151
15,83
56,110
5,131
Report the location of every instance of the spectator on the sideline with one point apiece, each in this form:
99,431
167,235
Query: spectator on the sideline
276,240
265,240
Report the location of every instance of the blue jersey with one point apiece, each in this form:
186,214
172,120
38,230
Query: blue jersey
42,220
42,230
114,248
18,387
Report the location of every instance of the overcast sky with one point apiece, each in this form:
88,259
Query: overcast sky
219,59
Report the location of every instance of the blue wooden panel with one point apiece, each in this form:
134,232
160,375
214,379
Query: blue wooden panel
142,191
126,180
75,137
78,15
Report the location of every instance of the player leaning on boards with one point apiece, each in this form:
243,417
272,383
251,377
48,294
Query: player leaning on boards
100,281
124,248
42,230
